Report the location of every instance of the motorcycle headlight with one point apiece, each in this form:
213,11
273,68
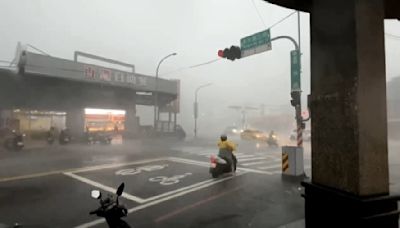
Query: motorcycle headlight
23,135
234,131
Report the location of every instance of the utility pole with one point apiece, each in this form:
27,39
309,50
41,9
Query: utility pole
156,108
196,106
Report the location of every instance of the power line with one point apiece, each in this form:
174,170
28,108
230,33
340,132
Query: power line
258,13
192,66
281,20
205,63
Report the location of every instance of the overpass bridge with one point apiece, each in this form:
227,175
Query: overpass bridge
44,82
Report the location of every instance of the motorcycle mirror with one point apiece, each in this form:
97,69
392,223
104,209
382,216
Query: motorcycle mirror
96,194
120,189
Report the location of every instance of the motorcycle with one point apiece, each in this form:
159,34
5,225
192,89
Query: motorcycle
272,140
219,166
15,142
110,209
64,138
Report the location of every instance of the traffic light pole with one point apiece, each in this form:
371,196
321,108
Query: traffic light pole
296,95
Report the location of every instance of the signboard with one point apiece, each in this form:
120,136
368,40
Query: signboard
256,43
97,73
295,70
48,66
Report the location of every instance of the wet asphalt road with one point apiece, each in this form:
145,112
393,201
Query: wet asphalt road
167,185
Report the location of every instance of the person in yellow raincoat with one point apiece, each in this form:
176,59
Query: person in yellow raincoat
226,149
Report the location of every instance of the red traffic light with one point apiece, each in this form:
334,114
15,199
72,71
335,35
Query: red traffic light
221,53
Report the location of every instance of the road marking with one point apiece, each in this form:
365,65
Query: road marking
251,159
155,202
76,170
178,190
105,188
191,206
163,180
240,156
137,170
188,161
270,167
255,171
253,163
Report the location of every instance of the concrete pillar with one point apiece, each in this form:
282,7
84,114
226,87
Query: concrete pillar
131,121
348,110
75,121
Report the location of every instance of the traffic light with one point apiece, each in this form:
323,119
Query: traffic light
295,98
231,53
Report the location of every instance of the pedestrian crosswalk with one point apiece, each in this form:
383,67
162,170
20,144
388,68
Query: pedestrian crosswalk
265,161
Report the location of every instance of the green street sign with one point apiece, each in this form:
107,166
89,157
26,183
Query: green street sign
256,43
295,70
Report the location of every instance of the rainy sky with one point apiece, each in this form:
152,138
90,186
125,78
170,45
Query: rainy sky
141,32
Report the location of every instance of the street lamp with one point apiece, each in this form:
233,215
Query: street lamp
156,110
196,107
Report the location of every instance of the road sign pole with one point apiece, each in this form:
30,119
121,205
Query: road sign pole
260,42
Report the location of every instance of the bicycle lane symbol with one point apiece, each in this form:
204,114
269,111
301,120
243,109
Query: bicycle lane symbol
134,171
163,180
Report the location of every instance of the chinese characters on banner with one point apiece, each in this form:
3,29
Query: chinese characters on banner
107,75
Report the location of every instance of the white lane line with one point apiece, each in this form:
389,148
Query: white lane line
255,171
105,188
204,153
188,161
240,156
143,206
251,159
178,190
254,163
115,165
270,167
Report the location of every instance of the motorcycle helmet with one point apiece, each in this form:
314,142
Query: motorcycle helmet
224,137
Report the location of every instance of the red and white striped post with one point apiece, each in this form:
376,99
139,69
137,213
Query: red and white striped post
299,136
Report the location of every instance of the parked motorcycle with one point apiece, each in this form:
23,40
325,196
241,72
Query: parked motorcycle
15,142
51,136
219,166
111,209
65,137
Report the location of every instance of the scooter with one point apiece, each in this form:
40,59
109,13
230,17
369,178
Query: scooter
110,209
272,140
50,139
64,137
219,166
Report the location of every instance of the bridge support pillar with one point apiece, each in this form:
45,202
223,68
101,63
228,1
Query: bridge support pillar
131,121
350,178
75,121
